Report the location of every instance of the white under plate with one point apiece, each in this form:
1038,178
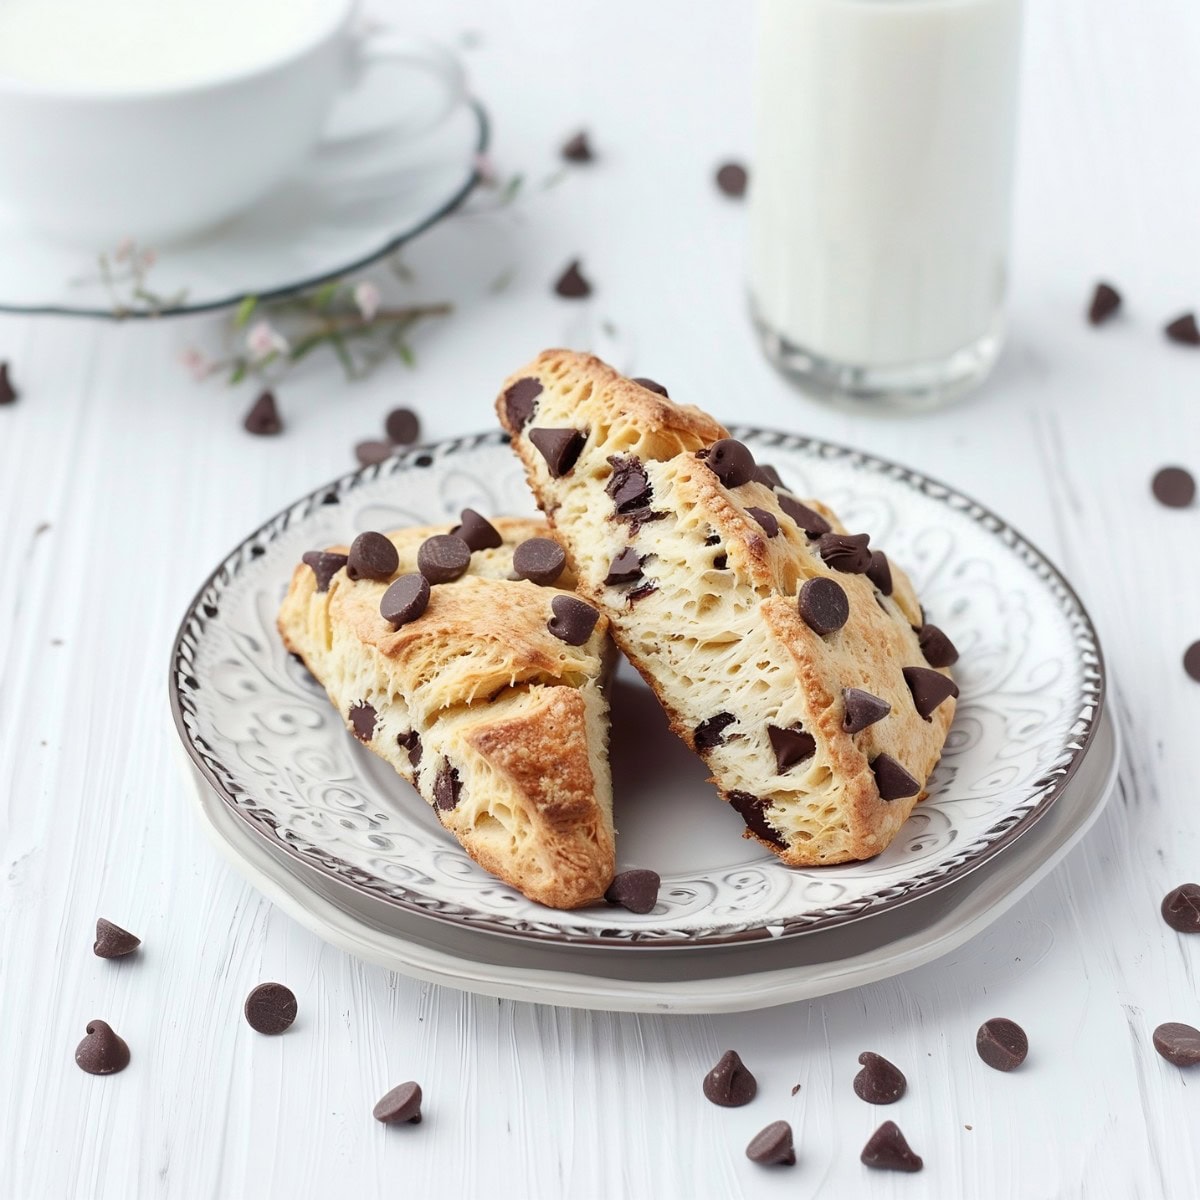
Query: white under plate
263,733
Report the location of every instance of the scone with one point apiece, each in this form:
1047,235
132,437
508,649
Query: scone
790,655
465,660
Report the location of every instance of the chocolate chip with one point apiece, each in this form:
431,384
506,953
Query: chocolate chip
405,600
642,590
729,1083
447,788
1181,908
767,520
846,552
370,453
362,720
540,560
628,485
888,1150
636,890
263,418
1183,330
560,448
713,539
710,733
477,531
625,568
806,518
938,649
791,745
824,607
862,709
1191,661
270,1008
411,741
578,149
372,556
731,179
879,572
102,1052
571,284
1105,301
766,474
1174,487
443,558
892,780
1002,1044
773,1146
8,393
520,402
731,462
651,385
929,688
753,811
112,941
1178,1043
402,1104
879,1081
324,566
402,426
573,620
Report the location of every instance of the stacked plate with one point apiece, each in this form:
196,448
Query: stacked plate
330,834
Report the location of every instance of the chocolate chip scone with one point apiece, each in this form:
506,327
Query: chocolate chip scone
788,653
463,658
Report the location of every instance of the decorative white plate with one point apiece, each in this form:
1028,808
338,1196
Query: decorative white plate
730,979
341,211
264,735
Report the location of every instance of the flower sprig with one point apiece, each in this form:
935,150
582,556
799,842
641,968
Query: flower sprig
123,273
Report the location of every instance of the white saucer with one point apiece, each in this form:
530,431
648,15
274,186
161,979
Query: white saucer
340,212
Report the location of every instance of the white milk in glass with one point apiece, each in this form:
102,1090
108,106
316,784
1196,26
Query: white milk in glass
881,192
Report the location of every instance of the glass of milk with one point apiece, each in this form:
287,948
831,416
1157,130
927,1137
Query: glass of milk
881,193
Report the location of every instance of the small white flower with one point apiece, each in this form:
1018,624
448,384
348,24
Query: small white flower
262,340
197,364
124,249
367,299
149,258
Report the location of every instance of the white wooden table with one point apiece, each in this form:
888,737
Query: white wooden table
121,482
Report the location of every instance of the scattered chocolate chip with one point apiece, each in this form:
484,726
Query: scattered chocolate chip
362,720
770,525
929,688
411,741
112,941
270,1008
571,284
573,620
1181,908
559,447
892,780
447,788
102,1052
888,1150
8,393
938,649
879,1081
625,568
520,402
372,556
879,572
263,418
477,531
578,149
324,566
402,426
729,1083
370,453
846,552
1191,661
1183,330
443,558
1174,487
731,462
651,385
628,485
824,607
402,1104
540,560
1105,302
752,810
710,733
766,474
405,600
791,745
1002,1044
862,709
806,518
731,179
1178,1043
795,1088
636,890
773,1146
